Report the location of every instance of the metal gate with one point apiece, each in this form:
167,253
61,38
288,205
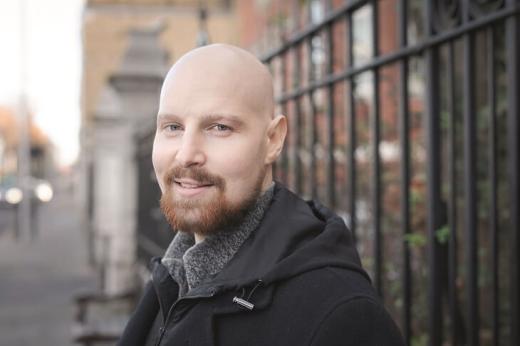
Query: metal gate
403,117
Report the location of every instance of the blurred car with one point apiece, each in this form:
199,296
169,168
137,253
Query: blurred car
11,193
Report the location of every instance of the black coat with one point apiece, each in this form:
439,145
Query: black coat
299,271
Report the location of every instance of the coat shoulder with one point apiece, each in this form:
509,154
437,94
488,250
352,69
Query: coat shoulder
364,321
317,292
340,302
333,282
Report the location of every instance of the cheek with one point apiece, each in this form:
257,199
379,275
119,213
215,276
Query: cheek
160,160
239,161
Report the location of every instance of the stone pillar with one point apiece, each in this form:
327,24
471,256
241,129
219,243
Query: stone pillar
130,98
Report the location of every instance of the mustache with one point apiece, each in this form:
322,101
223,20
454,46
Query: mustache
196,173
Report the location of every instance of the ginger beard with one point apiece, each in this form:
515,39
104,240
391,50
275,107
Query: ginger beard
207,214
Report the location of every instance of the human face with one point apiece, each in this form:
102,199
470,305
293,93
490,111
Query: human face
209,154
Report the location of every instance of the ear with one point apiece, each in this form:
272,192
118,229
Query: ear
276,133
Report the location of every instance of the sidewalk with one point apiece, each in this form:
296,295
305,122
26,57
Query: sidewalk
39,278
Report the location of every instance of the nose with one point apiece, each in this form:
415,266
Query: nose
191,151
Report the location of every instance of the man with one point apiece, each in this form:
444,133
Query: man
252,263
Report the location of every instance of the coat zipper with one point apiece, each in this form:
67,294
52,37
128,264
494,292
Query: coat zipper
162,330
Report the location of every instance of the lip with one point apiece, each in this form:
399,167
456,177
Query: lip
191,187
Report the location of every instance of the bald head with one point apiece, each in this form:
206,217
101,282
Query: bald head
222,71
216,136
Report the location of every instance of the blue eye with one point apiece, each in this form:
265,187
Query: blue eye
221,127
173,127
220,130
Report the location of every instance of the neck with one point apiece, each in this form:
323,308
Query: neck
199,238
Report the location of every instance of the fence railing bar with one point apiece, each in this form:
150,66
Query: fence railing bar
433,197
492,173
297,171
512,10
470,193
313,179
330,171
417,49
313,29
351,128
404,140
513,109
452,202
352,6
283,107
376,165
432,130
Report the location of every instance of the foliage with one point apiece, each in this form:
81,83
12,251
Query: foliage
415,239
443,234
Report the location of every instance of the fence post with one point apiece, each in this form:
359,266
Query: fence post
513,73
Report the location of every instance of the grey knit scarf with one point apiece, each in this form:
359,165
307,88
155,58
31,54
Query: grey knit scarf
192,264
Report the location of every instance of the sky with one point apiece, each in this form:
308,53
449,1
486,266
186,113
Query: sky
43,61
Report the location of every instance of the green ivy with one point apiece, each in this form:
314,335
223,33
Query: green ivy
415,240
443,234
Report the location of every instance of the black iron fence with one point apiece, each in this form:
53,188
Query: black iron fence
404,118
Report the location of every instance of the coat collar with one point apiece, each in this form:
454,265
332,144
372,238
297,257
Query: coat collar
165,287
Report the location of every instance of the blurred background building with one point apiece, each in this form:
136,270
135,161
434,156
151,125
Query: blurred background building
40,147
41,165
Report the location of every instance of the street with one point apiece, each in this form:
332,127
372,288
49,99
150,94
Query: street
40,277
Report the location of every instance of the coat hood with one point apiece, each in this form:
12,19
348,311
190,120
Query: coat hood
294,237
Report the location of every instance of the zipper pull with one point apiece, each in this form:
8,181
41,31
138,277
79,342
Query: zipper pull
243,303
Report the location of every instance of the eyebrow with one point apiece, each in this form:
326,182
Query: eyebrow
204,118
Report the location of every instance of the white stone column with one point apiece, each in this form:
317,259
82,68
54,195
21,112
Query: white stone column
130,98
